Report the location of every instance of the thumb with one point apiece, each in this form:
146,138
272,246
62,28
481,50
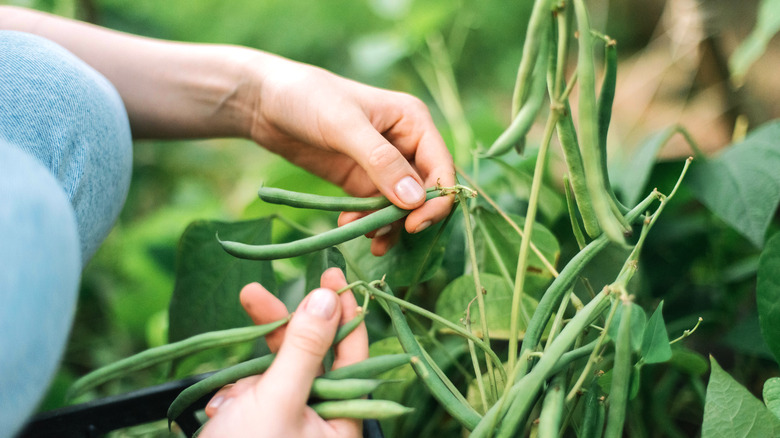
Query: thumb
299,360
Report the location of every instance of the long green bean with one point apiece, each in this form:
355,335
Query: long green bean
165,353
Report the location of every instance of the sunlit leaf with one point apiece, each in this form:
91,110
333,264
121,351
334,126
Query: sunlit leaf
768,294
458,298
772,395
507,243
742,184
208,280
730,410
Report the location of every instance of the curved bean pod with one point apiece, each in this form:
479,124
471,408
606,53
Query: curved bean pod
522,122
612,224
362,409
593,421
165,353
194,392
327,239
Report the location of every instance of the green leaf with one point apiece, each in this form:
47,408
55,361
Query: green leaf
638,322
768,294
454,301
403,262
742,184
754,45
688,361
730,410
655,341
772,395
507,242
551,204
632,179
208,280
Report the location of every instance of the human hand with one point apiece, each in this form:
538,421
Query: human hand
274,403
364,139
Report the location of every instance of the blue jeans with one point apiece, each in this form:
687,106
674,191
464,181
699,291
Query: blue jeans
65,165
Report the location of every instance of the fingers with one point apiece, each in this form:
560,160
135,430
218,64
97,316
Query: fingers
354,347
308,337
263,307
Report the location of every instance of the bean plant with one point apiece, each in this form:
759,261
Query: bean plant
504,336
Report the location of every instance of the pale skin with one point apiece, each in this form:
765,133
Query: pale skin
366,140
274,404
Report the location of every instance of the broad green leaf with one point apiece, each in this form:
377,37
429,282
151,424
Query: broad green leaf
772,395
632,178
551,204
403,262
457,298
208,280
742,184
730,410
655,341
688,361
507,242
754,45
768,294
638,321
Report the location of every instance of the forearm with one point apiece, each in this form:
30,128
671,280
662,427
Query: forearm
170,90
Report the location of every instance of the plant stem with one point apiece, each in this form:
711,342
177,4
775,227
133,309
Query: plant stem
479,290
530,218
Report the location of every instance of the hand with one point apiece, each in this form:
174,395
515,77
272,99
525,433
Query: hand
274,404
366,140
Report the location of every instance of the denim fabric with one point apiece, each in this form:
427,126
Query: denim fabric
65,164
61,111
39,281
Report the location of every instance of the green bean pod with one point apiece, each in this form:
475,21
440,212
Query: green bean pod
522,122
348,327
535,36
462,412
371,367
360,409
168,352
621,376
611,224
593,420
354,229
524,392
552,409
604,104
319,202
563,282
342,389
196,391
567,137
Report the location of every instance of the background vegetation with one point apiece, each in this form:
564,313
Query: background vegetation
673,70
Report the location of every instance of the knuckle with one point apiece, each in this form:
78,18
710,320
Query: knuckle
310,342
384,157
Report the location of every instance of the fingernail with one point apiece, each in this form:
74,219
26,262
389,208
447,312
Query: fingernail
409,191
216,402
382,231
322,303
422,227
